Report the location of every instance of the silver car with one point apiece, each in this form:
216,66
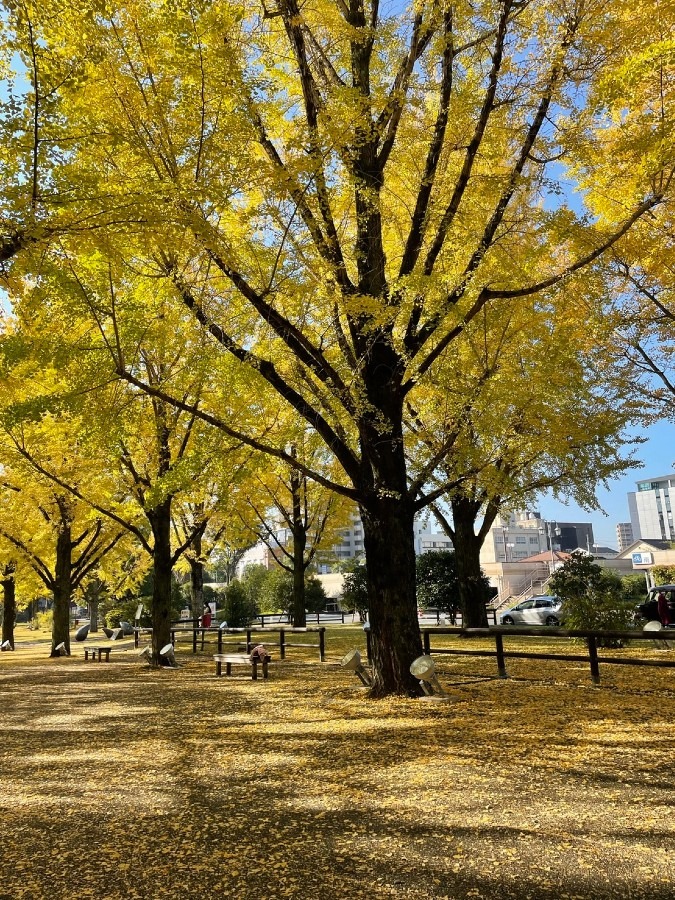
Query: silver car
544,610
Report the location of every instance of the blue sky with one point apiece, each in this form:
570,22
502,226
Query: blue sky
657,456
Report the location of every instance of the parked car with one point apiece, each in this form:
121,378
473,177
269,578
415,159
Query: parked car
543,610
649,609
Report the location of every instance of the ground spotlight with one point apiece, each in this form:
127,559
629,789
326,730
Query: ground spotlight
168,656
424,669
352,661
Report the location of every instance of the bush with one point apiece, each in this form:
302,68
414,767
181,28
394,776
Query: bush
316,597
355,591
238,608
254,581
592,597
43,621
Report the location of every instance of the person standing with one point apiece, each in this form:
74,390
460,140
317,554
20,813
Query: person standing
663,609
206,616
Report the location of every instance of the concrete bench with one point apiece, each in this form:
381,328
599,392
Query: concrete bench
97,653
235,659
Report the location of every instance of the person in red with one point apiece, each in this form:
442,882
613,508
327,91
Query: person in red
206,616
663,610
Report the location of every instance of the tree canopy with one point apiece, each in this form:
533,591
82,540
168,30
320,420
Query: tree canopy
345,198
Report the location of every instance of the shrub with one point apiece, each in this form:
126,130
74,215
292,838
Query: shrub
355,591
43,620
592,597
238,608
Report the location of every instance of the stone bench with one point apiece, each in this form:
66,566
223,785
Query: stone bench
236,659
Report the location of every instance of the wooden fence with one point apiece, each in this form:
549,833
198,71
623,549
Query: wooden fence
239,636
591,639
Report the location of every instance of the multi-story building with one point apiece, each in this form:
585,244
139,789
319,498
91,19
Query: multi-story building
650,509
624,535
514,538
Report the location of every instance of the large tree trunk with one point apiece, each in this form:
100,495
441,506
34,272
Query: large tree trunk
62,590
160,520
93,614
299,614
196,578
392,605
8,604
467,556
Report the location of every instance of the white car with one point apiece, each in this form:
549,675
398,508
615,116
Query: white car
544,610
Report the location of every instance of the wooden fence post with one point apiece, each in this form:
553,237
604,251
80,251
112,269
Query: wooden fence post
501,662
593,655
427,643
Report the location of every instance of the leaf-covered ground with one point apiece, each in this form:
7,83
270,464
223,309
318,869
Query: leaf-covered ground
122,781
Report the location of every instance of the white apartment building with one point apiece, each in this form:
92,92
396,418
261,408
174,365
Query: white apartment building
514,538
624,535
426,539
650,509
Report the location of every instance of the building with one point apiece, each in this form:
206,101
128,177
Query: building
650,509
624,535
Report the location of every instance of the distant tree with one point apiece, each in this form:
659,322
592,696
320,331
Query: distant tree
254,581
355,591
592,597
437,582
238,608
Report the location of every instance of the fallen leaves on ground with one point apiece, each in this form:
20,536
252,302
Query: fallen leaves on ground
127,782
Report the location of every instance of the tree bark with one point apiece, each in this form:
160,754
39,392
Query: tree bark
160,521
62,587
196,577
394,626
467,556
8,604
93,615
299,614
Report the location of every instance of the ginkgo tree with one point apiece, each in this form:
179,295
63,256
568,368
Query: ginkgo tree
295,517
337,190
540,402
142,457
56,536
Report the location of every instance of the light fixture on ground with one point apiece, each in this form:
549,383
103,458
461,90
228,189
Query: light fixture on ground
60,649
168,656
6,645
658,627
352,661
146,652
424,669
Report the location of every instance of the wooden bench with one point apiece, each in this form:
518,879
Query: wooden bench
97,653
232,659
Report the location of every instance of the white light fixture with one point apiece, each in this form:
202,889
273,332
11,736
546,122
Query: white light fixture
352,662
168,654
424,669
6,646
146,653
658,627
60,649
